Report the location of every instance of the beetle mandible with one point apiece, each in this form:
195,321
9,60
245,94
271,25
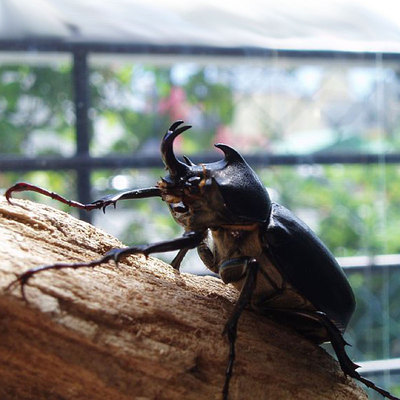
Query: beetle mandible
281,268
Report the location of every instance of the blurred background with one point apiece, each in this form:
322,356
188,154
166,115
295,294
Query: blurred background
307,91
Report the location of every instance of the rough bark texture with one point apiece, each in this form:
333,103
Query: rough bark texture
139,331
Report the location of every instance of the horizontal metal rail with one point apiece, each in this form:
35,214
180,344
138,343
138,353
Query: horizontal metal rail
20,163
374,263
58,45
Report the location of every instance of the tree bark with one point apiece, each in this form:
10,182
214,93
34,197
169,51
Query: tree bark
137,331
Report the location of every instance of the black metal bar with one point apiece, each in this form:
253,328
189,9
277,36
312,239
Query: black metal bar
82,98
140,161
375,269
375,264
53,45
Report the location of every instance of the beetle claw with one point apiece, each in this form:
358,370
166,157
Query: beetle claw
21,280
113,254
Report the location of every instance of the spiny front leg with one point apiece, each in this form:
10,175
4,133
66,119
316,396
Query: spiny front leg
23,278
129,195
188,241
98,204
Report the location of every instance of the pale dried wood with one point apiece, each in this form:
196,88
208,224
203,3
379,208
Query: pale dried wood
139,331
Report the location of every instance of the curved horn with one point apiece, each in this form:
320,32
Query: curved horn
231,155
174,166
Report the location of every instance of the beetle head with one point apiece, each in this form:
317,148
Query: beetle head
206,195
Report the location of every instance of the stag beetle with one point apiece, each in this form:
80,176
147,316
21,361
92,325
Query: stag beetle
281,268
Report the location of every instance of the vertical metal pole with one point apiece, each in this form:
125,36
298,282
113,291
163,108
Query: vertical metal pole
82,126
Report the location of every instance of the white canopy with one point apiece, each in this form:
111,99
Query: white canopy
344,25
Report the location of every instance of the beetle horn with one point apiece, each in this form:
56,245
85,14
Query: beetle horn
188,161
174,166
231,155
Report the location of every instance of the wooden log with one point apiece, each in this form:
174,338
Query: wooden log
137,331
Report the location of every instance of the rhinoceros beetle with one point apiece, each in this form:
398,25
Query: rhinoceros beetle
281,268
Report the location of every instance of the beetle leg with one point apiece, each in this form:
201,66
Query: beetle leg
338,344
23,278
188,241
176,262
129,195
206,254
348,367
101,203
231,325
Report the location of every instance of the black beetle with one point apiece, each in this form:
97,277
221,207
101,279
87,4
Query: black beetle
280,266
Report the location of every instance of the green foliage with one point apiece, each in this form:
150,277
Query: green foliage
148,100
351,207
215,98
34,100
